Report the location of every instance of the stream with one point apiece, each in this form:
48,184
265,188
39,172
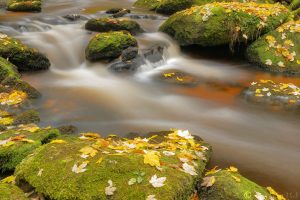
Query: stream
263,144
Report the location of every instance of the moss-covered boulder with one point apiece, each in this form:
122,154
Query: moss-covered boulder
224,23
17,143
277,96
172,6
229,184
9,76
109,45
295,4
278,50
111,24
24,57
24,5
11,192
90,167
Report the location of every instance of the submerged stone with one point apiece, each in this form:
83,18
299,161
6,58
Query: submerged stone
229,184
109,24
24,5
11,192
17,143
109,45
275,95
279,50
24,57
224,23
91,167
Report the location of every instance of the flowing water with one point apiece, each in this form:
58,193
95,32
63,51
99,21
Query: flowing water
263,144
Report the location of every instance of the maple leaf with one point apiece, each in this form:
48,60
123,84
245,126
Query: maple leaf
58,142
79,169
152,158
232,169
259,196
110,189
189,169
212,171
89,151
208,181
157,182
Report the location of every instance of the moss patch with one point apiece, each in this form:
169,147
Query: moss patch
17,143
275,95
80,168
278,50
9,192
224,23
229,184
109,24
24,57
109,45
24,5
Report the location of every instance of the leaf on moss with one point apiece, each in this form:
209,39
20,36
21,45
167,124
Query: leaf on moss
274,193
208,181
152,158
58,142
212,171
89,151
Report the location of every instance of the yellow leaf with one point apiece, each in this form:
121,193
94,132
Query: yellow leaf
212,171
100,160
8,144
236,178
27,140
208,181
152,158
88,151
9,179
58,142
232,169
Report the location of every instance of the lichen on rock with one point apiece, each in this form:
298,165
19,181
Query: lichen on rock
24,5
24,57
279,50
88,167
111,24
224,23
109,45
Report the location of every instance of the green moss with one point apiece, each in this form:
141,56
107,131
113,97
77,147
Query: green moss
109,45
233,186
295,5
13,150
279,50
24,57
24,5
109,24
56,161
9,76
224,23
172,6
11,192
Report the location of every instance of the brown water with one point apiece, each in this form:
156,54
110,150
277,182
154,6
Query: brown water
263,144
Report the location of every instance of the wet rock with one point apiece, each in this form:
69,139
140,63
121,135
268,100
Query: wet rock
277,96
121,13
224,23
150,17
24,57
229,184
93,168
67,130
10,77
176,77
10,191
173,6
109,45
74,17
129,53
279,50
152,55
17,143
27,117
24,5
109,24
114,10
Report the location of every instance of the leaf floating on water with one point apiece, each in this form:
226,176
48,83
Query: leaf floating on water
152,158
208,181
110,189
157,182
